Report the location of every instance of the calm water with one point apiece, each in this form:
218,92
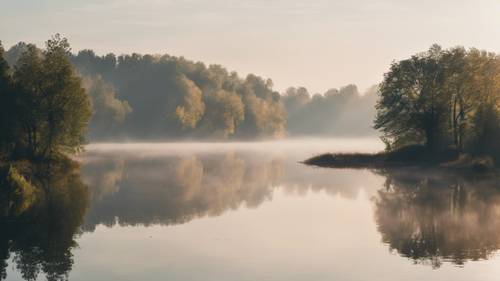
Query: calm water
250,211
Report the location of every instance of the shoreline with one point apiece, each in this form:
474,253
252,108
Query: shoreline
396,160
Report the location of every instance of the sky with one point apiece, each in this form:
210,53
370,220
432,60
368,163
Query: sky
319,44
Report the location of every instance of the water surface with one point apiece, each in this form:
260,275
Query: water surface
251,211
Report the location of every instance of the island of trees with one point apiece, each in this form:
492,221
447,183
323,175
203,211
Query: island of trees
437,107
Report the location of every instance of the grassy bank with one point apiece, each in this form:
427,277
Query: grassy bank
411,156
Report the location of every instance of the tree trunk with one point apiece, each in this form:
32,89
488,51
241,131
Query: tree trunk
455,125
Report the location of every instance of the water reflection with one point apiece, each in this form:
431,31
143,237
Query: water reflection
40,239
431,218
428,217
425,216
174,189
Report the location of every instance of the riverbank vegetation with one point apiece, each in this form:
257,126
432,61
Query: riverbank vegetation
163,97
437,107
44,107
44,113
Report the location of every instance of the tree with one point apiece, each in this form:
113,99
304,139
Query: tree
108,112
441,98
228,113
51,104
458,87
485,135
413,107
6,104
190,112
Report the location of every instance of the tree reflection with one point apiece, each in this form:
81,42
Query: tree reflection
40,239
431,218
176,188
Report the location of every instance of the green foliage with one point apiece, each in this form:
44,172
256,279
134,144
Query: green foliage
108,112
442,98
413,106
486,134
6,105
51,106
264,113
164,97
171,97
190,111
231,112
15,52
23,193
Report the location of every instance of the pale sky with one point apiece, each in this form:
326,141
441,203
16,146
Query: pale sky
318,44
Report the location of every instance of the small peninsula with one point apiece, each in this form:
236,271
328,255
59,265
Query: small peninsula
438,109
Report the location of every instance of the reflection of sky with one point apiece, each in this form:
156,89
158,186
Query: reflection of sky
175,183
315,237
317,224
318,44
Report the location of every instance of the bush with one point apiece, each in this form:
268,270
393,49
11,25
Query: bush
23,193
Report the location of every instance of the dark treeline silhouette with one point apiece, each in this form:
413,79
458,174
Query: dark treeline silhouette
431,218
442,98
163,97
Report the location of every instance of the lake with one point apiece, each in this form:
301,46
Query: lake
252,211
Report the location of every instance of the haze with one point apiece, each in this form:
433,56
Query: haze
319,45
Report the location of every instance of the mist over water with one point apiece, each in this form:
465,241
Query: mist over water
252,211
171,183
296,146
249,140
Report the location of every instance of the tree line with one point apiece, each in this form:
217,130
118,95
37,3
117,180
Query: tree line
442,98
337,112
438,98
163,97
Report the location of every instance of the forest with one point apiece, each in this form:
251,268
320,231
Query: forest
53,102
442,99
158,97
439,107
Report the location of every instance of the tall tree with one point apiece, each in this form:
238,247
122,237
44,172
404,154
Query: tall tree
485,136
443,97
458,86
52,105
412,105
6,106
